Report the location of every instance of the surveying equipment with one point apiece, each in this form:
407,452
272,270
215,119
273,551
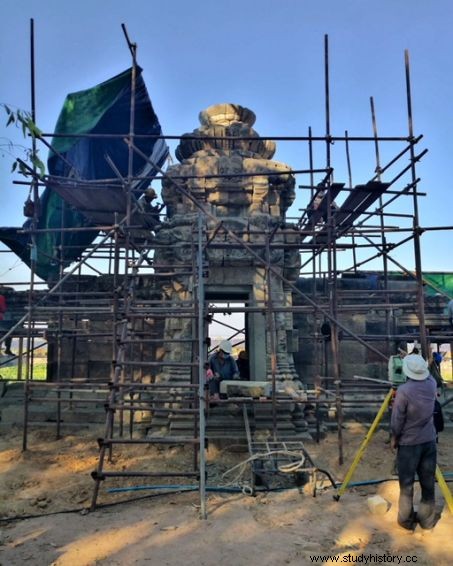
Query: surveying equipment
395,370
439,477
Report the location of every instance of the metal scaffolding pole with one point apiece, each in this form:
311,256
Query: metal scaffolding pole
381,219
201,370
33,250
417,231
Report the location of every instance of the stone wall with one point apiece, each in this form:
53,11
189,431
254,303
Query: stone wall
314,355
90,357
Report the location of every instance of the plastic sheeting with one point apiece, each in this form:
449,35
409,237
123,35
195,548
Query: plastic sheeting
103,109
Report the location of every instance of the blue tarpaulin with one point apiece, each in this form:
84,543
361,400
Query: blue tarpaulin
104,109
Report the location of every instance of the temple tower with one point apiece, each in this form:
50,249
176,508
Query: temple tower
229,170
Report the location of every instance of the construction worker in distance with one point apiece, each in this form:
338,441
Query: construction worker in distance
223,366
414,436
147,203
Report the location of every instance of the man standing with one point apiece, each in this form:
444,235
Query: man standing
223,366
414,435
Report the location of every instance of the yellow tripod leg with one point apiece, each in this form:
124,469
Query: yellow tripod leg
364,444
444,489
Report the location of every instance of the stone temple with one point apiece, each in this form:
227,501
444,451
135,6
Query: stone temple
251,258
239,184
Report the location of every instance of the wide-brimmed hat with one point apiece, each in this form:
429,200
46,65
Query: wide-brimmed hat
415,367
226,346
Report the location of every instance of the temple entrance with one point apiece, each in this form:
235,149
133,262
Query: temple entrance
229,321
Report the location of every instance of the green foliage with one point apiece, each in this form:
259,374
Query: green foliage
9,373
23,120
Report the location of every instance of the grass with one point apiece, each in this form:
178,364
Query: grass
10,373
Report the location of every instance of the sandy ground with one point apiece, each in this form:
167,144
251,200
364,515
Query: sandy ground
287,527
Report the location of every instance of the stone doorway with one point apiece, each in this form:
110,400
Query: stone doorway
227,320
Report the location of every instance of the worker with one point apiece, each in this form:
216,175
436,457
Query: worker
223,366
434,368
437,358
243,365
414,437
147,202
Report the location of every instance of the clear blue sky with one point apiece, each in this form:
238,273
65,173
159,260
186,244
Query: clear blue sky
264,54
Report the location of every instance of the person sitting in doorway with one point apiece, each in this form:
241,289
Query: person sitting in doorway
223,366
243,365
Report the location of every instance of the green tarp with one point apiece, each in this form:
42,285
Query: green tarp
439,282
103,109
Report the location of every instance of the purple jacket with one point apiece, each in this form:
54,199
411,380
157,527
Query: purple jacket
412,412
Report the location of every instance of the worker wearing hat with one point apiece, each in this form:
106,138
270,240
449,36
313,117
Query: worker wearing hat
414,436
223,366
147,202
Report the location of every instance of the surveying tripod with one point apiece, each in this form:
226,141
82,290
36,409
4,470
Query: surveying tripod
439,477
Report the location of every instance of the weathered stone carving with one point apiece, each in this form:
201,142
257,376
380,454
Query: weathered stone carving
237,181
267,190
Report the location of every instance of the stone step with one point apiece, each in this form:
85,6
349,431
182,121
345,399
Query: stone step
11,389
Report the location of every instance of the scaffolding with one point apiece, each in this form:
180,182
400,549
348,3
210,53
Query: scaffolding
126,312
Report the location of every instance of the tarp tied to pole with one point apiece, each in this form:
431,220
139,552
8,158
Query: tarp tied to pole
69,202
105,109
